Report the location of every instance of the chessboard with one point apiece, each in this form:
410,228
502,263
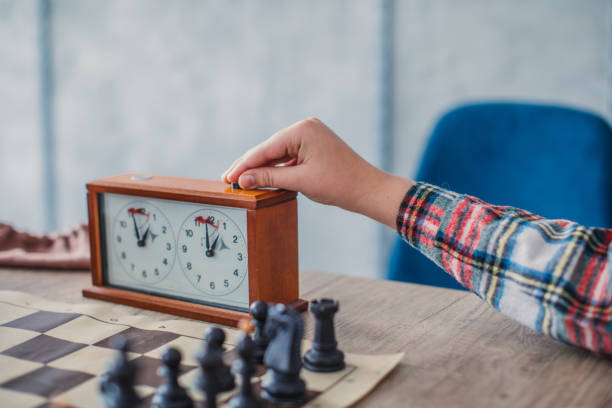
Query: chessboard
52,355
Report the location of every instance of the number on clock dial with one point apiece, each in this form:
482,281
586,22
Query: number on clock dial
212,252
143,242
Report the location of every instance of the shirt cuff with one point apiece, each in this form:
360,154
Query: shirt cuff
421,212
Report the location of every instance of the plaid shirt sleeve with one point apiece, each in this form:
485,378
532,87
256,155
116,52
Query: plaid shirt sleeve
550,275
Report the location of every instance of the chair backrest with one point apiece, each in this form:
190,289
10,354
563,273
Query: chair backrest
552,161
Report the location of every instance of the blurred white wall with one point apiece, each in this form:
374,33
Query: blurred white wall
183,88
21,191
449,52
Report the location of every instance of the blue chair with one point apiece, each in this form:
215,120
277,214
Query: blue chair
552,161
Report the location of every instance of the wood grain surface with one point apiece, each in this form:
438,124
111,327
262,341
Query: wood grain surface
460,352
191,190
273,253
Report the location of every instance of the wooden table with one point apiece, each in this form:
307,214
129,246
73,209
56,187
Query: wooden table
460,352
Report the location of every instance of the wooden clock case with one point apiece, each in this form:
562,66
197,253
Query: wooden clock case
271,240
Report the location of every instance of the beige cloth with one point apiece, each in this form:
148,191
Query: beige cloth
69,250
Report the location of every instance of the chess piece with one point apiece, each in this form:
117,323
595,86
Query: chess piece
171,394
216,376
215,337
117,384
283,359
324,355
259,312
245,367
208,382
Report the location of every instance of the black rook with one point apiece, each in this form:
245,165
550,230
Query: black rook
324,355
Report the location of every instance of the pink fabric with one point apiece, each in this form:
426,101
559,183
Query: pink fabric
69,250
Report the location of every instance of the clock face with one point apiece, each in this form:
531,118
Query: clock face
143,241
181,250
212,252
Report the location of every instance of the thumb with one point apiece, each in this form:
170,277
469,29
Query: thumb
276,177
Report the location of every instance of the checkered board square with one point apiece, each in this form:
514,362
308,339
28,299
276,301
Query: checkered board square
52,354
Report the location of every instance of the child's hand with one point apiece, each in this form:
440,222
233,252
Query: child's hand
316,162
308,157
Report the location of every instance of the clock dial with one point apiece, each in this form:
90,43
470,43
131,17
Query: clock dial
143,237
212,252
143,241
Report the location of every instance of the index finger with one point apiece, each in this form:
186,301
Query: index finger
279,147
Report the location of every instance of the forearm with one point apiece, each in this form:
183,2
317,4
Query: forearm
378,196
550,275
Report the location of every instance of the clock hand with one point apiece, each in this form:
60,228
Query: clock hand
135,226
212,247
142,241
208,251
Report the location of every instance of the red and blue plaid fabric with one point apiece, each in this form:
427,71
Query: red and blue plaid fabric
550,275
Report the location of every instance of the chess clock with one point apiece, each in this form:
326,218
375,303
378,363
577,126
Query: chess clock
195,248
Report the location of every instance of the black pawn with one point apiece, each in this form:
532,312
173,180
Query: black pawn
208,382
215,337
324,355
245,367
259,312
117,384
171,394
216,376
